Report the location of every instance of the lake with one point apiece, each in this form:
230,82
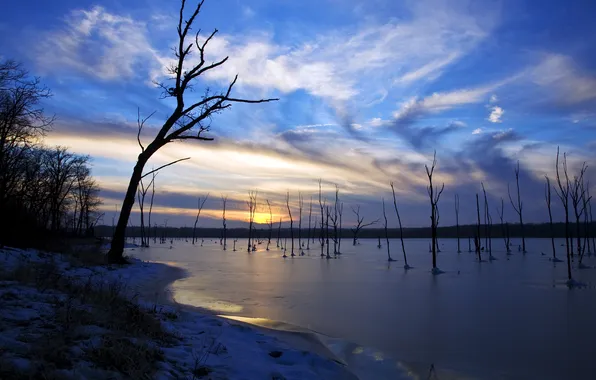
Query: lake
512,318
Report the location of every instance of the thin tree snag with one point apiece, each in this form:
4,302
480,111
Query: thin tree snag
401,231
321,206
577,192
200,205
547,198
334,220
188,121
519,208
563,194
270,225
252,206
477,241
291,223
434,196
340,212
488,225
386,233
150,205
359,224
278,233
457,222
327,232
501,213
224,201
300,206
309,221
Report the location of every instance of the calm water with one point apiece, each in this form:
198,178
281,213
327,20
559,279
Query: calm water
510,318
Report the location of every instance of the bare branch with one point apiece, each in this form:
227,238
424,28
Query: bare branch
163,166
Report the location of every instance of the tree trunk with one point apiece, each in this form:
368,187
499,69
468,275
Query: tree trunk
117,245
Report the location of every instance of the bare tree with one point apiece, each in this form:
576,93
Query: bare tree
504,232
488,225
300,206
547,198
340,213
386,233
519,207
563,194
153,175
186,122
457,222
309,221
401,231
270,224
322,206
291,223
327,210
200,204
577,192
434,195
335,220
252,207
224,201
477,241
359,224
278,232
141,193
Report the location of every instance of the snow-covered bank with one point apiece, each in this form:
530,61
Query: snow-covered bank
44,295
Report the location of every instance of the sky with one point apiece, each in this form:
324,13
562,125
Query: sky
367,90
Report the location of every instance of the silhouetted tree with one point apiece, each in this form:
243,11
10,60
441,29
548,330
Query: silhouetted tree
300,206
200,204
252,206
224,201
340,212
504,231
359,223
547,198
322,207
309,221
401,231
186,122
386,233
563,193
434,195
291,223
477,241
519,208
577,192
270,225
457,222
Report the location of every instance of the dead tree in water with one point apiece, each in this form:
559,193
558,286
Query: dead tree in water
457,222
577,192
359,223
278,232
386,233
477,240
300,206
327,228
340,212
151,206
199,209
335,220
291,222
322,224
488,225
504,231
270,225
188,120
519,208
563,194
252,207
309,221
224,200
547,198
401,230
141,193
434,195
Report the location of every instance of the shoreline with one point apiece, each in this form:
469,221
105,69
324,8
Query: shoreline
296,337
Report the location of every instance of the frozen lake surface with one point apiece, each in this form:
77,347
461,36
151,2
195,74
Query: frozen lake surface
513,318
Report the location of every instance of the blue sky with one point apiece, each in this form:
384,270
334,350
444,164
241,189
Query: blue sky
368,90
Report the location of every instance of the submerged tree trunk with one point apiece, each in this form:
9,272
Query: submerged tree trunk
386,234
457,222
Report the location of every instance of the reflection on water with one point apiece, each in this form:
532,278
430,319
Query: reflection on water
510,318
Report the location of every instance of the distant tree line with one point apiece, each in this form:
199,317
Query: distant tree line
539,230
44,192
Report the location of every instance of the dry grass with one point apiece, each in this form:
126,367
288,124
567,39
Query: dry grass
131,330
